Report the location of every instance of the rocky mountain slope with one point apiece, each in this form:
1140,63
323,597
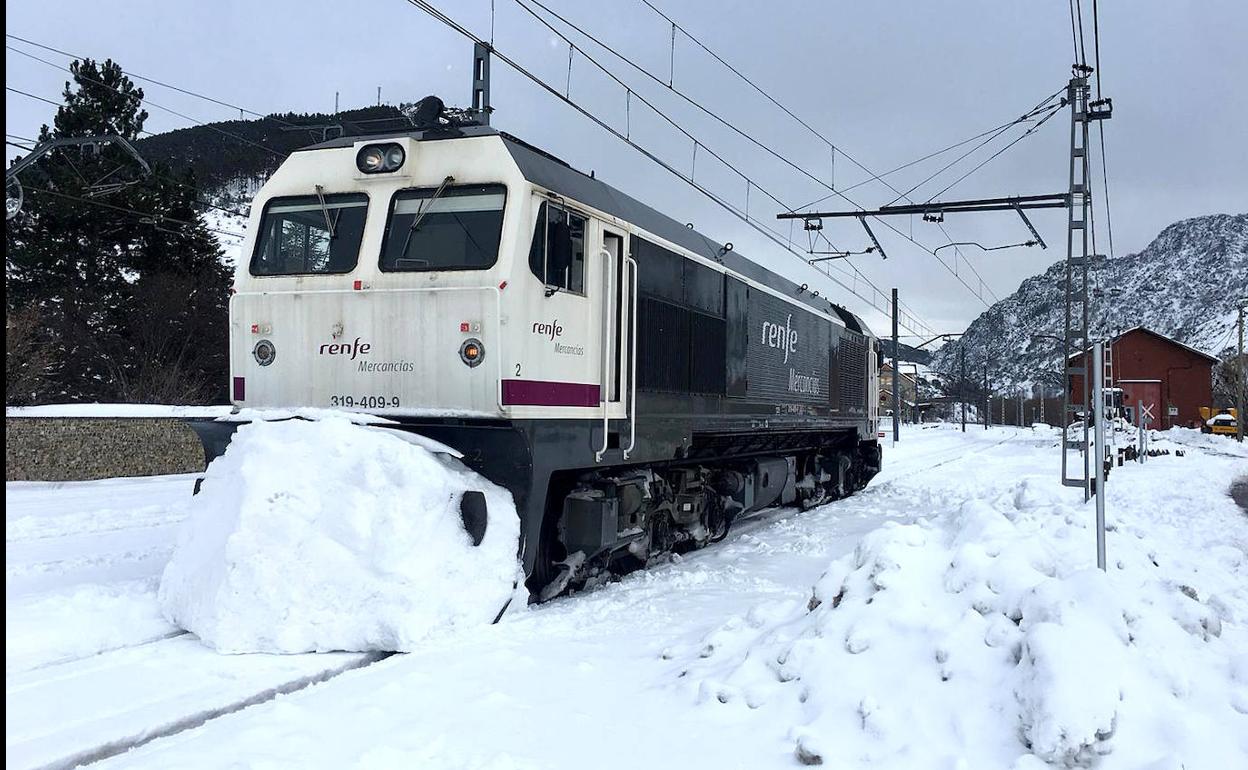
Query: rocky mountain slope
1185,284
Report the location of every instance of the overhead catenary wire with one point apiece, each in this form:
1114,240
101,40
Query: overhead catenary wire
764,93
157,219
998,153
728,124
153,81
31,96
736,211
1030,114
629,92
150,103
978,293
919,160
1075,35
1096,47
750,183
171,180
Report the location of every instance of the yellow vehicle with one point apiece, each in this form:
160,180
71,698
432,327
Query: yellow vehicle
1223,422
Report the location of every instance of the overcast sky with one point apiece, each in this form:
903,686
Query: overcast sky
887,82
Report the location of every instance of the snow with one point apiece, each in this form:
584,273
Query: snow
983,635
234,414
324,535
682,659
116,410
109,616
73,713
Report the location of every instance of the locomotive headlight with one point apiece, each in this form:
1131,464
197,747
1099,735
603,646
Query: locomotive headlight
264,352
395,157
472,352
371,160
380,158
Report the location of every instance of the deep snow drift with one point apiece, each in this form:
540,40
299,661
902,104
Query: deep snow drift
325,535
984,636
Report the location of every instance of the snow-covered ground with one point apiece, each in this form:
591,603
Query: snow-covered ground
949,616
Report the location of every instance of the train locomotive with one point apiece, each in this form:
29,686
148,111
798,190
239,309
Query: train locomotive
637,386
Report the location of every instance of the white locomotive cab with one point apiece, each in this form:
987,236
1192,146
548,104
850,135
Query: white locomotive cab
417,277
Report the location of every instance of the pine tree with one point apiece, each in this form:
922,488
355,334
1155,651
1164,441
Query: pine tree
118,268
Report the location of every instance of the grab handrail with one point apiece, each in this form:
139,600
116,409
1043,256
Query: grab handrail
604,391
632,358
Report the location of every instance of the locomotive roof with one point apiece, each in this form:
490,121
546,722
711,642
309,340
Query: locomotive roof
548,171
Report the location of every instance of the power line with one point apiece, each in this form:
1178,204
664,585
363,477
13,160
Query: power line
792,164
978,293
1034,111
168,179
157,219
928,156
630,92
767,232
32,96
1074,36
1096,45
154,81
996,154
765,94
149,102
1083,46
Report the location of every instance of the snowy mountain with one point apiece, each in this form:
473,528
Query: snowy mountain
1184,284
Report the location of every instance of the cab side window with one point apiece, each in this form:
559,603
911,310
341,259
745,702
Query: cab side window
557,256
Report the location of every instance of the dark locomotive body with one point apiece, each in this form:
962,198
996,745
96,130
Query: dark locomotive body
724,388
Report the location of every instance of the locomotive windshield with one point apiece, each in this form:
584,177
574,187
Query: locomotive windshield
458,229
310,234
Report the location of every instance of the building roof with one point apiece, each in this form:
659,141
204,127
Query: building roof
888,367
1159,335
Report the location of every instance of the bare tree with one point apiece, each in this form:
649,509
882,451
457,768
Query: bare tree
1227,380
30,356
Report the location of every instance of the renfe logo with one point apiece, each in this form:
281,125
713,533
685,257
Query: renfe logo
551,330
781,337
343,349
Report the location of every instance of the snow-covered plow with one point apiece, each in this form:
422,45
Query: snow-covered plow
316,532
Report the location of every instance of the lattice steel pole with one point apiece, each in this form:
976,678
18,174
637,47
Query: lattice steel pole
1076,294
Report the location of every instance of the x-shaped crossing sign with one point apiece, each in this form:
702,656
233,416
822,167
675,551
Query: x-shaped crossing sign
1147,412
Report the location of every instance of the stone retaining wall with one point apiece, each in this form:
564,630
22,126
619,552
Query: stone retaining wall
84,448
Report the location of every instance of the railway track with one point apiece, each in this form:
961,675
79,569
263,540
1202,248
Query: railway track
73,713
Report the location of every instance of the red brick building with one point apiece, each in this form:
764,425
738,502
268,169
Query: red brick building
1175,379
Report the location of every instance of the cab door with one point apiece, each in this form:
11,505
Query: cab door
616,291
